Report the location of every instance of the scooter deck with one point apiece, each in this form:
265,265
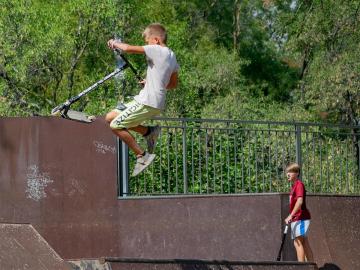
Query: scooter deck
78,116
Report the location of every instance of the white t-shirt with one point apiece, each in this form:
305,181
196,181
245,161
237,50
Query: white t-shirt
161,64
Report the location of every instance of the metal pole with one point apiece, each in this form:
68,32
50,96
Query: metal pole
184,150
123,167
298,145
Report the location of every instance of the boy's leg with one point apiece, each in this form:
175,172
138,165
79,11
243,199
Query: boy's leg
308,251
299,230
125,135
140,129
299,247
131,119
143,159
111,116
127,138
150,134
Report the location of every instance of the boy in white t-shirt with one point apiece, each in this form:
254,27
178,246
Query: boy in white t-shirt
162,74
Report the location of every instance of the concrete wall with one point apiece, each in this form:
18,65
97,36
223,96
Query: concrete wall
61,177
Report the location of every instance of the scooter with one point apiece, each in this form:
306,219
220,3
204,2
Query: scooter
64,110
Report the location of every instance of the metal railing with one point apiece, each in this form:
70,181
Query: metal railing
205,156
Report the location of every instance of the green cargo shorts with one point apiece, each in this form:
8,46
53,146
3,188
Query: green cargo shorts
134,114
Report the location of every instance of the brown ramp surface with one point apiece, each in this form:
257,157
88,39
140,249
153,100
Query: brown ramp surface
334,234
22,247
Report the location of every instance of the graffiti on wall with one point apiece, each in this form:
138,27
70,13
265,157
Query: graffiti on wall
37,181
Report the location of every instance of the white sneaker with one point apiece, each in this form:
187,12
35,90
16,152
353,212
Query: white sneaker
152,138
142,163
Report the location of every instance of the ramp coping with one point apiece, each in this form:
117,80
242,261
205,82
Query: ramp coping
195,261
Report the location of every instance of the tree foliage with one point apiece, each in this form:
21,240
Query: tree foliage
283,60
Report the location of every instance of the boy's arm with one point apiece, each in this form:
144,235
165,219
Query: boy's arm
173,81
297,207
113,44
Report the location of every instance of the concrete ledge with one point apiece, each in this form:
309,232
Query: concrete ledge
183,264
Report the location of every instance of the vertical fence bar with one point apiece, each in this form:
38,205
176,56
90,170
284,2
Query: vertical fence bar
242,164
214,160
207,161
176,162
358,160
249,159
327,168
298,146
347,169
270,165
235,163
341,153
333,159
123,167
169,141
321,165
221,167
192,161
200,160
256,162
228,160
312,179
161,157
276,161
308,157
263,160
184,152
283,185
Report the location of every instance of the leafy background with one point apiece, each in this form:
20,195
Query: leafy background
240,59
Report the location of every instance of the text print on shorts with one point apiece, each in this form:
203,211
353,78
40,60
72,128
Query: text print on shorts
127,113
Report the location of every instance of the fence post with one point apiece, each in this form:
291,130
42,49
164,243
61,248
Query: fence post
123,167
298,145
184,156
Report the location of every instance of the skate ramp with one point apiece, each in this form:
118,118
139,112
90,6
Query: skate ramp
61,176
22,247
334,233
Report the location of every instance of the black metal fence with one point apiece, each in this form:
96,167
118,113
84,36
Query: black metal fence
203,156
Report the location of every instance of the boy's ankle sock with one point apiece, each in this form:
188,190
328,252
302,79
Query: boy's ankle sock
141,155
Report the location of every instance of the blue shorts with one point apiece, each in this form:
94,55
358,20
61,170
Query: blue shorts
299,228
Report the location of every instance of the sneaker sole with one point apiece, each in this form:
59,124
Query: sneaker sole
150,160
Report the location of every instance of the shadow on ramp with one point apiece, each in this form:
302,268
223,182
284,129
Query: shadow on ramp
330,266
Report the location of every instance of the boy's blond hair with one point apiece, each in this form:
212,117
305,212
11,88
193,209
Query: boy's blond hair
293,168
157,30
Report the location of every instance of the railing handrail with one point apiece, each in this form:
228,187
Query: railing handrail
262,122
239,156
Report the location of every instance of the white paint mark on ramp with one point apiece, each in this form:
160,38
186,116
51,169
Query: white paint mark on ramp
103,148
36,183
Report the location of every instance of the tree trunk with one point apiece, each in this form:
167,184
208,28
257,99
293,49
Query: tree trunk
236,24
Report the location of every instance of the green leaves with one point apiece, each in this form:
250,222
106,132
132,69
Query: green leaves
256,59
326,37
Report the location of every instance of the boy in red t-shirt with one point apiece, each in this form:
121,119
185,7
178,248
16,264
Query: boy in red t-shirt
299,215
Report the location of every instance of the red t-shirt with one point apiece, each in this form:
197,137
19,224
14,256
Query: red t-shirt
297,191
